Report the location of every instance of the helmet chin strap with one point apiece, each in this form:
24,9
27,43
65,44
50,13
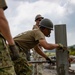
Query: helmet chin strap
48,35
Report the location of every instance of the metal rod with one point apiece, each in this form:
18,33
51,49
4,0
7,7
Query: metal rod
38,62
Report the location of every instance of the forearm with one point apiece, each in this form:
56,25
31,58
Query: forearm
4,28
49,46
40,52
52,46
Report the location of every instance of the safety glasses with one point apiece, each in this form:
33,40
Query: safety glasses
39,19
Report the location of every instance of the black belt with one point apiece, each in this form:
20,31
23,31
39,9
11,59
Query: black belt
20,49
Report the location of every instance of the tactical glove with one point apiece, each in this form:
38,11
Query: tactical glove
61,47
50,61
14,51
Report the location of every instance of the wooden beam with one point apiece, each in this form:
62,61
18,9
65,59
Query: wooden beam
61,56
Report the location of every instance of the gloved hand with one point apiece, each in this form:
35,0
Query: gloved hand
50,61
61,47
14,51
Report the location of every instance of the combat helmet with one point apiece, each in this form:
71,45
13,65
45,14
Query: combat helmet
47,23
38,16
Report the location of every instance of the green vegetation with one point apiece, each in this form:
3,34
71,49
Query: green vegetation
72,50
50,53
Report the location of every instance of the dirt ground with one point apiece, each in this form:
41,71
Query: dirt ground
46,70
52,70
49,70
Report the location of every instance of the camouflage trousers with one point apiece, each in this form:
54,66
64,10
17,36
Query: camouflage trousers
7,71
6,65
21,65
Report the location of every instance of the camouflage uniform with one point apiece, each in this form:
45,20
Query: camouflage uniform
21,65
26,41
3,4
6,65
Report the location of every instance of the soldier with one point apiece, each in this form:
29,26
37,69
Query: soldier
37,68
30,39
6,66
38,18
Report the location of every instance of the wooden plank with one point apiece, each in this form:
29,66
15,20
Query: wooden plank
61,56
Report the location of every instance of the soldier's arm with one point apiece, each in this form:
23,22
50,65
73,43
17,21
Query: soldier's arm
47,45
39,51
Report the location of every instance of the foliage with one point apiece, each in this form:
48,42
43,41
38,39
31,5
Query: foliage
72,50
